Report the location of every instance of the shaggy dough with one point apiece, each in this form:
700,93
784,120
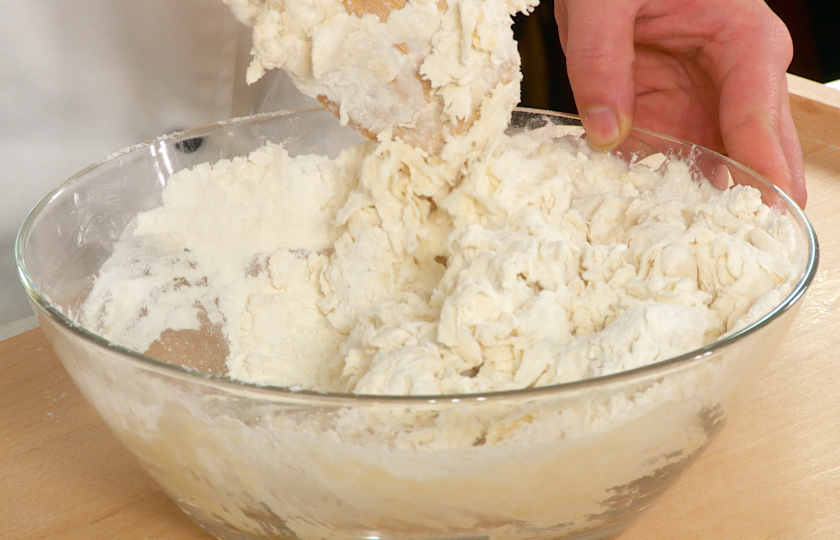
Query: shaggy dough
374,273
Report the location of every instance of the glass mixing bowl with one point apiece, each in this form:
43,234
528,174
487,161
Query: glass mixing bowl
578,460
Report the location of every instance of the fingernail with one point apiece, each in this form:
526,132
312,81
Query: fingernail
601,125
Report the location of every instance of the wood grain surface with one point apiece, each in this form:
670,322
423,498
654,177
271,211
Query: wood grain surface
774,472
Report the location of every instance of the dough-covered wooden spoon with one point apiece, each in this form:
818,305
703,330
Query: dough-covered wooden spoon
419,69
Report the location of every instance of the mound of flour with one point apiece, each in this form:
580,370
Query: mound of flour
380,273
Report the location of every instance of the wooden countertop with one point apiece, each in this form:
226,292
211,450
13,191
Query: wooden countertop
774,472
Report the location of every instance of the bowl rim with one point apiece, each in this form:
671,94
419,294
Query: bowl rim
44,306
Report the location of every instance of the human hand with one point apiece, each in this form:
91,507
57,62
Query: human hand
708,71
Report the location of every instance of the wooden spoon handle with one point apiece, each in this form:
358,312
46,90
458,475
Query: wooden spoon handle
428,136
380,8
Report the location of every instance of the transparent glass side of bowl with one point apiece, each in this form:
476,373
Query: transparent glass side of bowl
578,463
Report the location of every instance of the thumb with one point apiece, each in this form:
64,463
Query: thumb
597,38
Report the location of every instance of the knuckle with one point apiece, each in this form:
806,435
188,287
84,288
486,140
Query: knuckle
592,59
777,35
783,40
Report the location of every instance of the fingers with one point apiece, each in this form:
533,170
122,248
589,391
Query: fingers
793,152
755,117
747,52
597,38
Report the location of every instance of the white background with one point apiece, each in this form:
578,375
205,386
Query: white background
80,79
